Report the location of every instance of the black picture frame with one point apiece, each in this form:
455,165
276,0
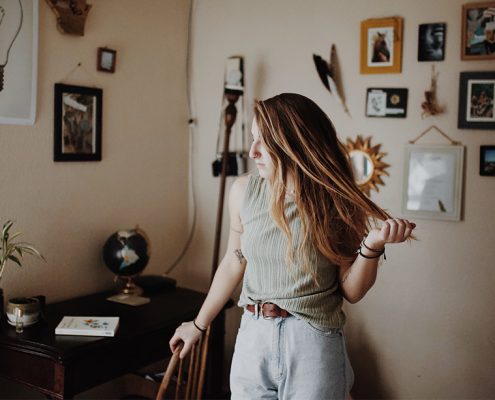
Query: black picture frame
431,41
476,100
386,102
106,60
487,160
77,123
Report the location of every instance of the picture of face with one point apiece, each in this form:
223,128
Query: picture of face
431,42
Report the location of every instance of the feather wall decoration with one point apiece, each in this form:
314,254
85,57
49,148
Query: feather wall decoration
329,74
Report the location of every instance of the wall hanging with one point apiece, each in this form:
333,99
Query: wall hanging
329,74
77,123
431,42
18,61
478,31
487,160
430,106
367,164
381,45
476,100
433,176
386,102
71,15
106,59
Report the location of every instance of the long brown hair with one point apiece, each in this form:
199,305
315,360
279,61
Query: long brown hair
302,142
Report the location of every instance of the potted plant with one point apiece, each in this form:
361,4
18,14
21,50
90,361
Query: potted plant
11,250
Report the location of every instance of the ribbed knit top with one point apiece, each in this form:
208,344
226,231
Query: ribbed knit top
268,278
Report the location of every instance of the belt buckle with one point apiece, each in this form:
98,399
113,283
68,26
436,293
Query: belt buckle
261,310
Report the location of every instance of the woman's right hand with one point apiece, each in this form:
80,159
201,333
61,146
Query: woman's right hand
186,333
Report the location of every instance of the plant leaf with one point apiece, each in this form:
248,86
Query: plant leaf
16,260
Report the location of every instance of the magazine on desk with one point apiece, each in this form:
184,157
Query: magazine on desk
88,326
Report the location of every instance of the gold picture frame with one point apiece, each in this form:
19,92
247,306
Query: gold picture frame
381,45
478,31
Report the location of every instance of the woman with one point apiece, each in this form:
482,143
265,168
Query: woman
296,238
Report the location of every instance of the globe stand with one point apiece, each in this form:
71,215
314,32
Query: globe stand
130,287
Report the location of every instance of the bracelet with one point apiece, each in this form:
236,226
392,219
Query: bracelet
373,250
202,330
379,254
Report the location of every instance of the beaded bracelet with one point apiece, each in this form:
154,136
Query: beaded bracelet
202,330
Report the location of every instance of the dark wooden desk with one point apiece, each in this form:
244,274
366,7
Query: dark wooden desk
62,366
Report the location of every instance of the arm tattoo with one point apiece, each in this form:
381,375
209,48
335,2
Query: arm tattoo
239,255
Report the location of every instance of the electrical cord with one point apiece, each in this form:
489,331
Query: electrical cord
191,124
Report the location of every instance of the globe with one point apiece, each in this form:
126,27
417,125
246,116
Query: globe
126,252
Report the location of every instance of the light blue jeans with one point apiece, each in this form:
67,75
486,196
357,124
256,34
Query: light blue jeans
288,358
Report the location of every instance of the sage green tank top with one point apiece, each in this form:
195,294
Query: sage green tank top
268,278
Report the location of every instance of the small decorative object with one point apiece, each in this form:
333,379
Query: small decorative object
18,61
487,160
126,254
71,15
433,179
77,123
367,164
23,312
381,45
476,100
329,74
478,31
386,102
431,42
106,59
430,106
11,250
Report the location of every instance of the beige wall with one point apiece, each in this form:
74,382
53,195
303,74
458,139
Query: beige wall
424,331
69,209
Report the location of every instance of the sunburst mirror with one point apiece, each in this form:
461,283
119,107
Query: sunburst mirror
367,163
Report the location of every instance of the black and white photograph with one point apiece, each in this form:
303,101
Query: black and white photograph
431,42
77,123
386,102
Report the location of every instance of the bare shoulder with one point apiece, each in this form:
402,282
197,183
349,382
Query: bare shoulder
239,186
237,192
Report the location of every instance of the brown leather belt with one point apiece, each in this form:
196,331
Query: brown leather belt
267,310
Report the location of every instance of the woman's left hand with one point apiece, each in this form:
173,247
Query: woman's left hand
394,230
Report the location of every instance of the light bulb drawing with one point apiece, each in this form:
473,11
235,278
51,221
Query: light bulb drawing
11,17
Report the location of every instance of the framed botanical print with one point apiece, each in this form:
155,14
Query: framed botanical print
77,123
386,102
476,100
478,31
381,45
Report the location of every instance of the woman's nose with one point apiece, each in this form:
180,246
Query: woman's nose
253,152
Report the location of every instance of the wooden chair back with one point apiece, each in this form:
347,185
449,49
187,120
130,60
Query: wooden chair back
188,373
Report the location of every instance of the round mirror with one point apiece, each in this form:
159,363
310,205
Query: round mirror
362,166
367,164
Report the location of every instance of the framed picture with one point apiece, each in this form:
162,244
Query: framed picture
478,31
433,182
431,42
77,123
386,102
487,160
476,100
106,60
18,61
381,45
